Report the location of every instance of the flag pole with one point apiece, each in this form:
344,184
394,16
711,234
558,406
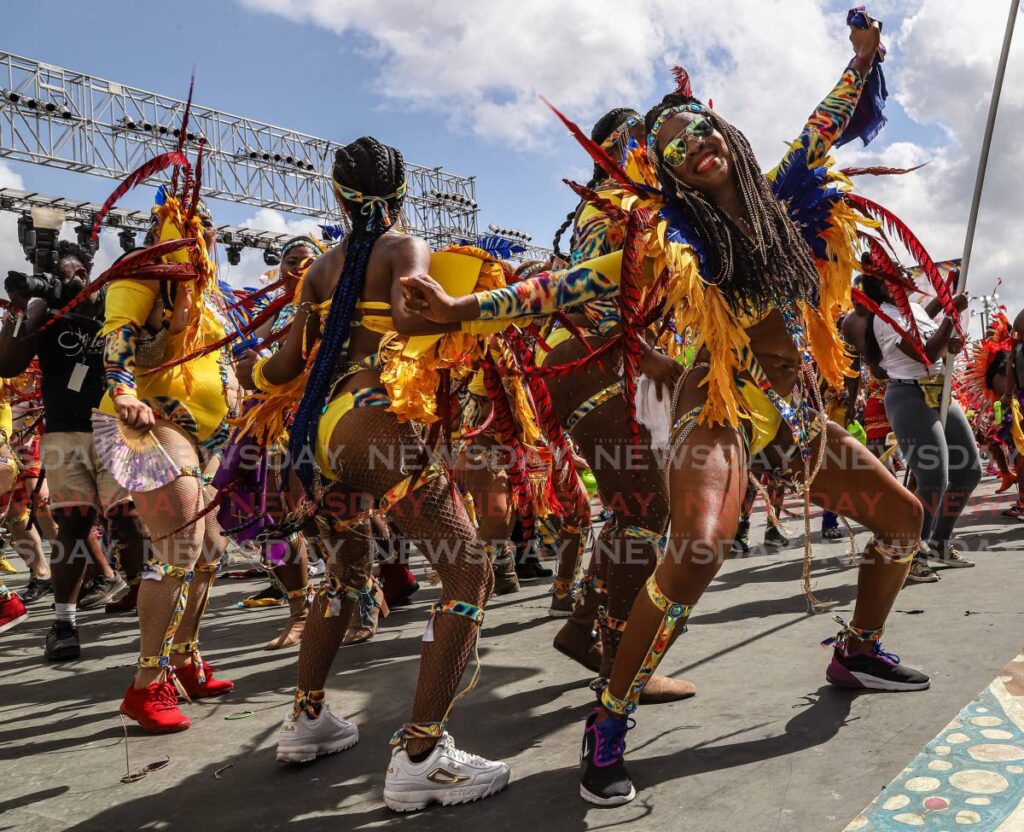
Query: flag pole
979,185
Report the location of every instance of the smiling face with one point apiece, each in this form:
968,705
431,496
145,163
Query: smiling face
694,152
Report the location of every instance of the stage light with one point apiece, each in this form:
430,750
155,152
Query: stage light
234,254
271,256
126,237
83,234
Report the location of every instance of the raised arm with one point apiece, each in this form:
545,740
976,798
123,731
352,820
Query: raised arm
829,119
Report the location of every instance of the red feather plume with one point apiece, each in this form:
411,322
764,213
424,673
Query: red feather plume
134,179
682,79
632,314
184,130
265,315
897,227
880,170
138,264
859,297
563,466
598,154
504,424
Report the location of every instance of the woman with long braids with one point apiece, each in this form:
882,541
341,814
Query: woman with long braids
287,559
593,411
345,443
761,293
184,404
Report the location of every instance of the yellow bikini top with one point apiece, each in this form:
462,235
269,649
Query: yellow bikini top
381,324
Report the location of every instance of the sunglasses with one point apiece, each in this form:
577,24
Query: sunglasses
675,151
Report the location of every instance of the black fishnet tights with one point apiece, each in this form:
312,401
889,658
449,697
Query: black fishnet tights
322,636
434,520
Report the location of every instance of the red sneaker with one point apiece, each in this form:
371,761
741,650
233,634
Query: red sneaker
201,690
12,612
127,604
399,584
155,708
1006,482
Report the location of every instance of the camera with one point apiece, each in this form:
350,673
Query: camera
38,235
44,286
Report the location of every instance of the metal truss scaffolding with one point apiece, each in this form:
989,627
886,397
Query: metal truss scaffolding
77,122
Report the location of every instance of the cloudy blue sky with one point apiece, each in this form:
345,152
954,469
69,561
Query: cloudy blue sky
455,84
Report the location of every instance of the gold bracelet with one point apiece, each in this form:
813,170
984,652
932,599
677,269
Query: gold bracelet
258,379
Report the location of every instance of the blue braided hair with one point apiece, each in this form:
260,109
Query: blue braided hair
372,169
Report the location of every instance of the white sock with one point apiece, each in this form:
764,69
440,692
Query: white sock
66,612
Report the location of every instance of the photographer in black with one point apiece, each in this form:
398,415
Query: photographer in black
70,357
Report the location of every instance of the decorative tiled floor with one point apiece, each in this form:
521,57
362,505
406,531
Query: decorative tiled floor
971,776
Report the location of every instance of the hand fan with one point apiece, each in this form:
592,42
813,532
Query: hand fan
136,459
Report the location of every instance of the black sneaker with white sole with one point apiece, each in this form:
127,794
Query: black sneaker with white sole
604,780
876,670
62,643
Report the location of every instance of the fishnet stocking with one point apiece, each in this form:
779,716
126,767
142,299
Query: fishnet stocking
435,521
163,511
322,635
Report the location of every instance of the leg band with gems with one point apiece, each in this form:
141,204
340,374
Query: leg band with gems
895,552
202,569
848,632
159,571
675,617
434,730
611,633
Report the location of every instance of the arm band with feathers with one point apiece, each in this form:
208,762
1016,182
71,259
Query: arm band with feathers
6,418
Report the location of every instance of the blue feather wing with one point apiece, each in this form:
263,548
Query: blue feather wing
809,197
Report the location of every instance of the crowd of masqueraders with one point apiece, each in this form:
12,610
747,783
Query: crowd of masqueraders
712,334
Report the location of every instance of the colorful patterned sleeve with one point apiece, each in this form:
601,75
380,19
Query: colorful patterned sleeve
6,417
552,291
119,361
829,119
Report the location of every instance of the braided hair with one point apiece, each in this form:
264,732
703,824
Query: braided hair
874,288
372,169
774,268
605,126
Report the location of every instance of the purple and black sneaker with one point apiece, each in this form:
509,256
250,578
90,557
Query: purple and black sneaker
605,781
872,670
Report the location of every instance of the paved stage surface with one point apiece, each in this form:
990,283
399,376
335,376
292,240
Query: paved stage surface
766,745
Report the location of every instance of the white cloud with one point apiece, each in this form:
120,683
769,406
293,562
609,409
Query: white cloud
765,64
483,65
251,266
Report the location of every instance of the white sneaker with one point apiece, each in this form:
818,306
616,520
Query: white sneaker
448,776
302,739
